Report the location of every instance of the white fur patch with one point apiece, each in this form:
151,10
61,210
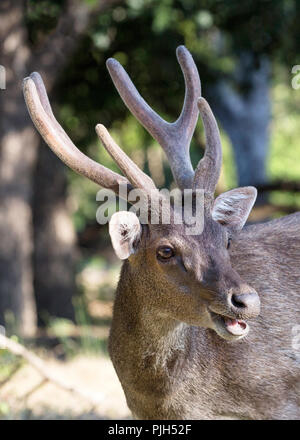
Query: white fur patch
124,230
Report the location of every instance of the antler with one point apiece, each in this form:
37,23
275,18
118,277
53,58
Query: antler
54,135
173,137
136,176
208,170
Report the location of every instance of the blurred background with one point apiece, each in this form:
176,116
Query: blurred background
57,268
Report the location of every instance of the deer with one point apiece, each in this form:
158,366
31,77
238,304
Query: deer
180,339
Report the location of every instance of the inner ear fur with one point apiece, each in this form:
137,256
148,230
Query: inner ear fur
232,208
125,231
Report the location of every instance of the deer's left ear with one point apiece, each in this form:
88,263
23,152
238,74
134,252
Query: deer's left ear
232,208
125,230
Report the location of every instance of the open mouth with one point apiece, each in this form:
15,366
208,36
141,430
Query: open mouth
229,328
236,327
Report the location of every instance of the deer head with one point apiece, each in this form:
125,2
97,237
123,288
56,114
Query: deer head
191,276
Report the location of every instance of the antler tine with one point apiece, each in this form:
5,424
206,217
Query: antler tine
208,170
127,166
41,114
188,118
41,90
173,137
136,176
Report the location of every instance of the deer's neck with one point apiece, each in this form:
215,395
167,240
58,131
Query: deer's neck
143,340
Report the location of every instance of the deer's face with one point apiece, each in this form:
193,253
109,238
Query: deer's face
190,276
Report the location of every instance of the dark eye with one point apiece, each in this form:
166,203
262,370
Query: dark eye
228,242
164,253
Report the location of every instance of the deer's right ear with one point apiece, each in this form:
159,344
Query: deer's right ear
124,230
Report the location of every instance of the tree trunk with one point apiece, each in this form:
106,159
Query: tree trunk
54,240
18,150
245,116
18,154
54,235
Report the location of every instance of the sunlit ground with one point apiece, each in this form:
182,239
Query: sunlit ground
93,374
76,354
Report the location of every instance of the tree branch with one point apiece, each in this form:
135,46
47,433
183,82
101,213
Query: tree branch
37,363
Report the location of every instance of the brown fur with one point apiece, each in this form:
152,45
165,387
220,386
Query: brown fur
172,369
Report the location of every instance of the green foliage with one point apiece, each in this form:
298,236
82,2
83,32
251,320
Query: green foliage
143,35
65,330
41,17
284,159
9,365
285,146
4,409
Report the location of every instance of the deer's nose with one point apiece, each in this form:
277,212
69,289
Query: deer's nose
248,303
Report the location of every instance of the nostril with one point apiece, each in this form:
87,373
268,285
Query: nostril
238,301
247,303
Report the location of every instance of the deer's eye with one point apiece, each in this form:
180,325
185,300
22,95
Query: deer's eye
165,253
228,243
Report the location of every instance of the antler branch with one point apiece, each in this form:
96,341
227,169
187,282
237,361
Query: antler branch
173,137
54,135
136,176
208,170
